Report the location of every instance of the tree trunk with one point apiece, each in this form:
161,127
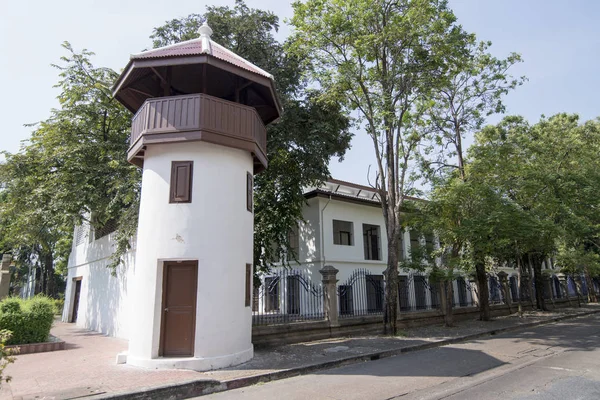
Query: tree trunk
484,294
49,274
522,284
449,303
38,281
538,280
592,295
390,319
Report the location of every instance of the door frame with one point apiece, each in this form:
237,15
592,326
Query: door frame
71,316
163,321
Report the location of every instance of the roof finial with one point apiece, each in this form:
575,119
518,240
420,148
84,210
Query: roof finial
205,30
205,33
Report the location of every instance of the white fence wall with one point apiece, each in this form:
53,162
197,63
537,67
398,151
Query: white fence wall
103,300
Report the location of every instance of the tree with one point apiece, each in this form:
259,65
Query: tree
549,171
483,221
471,90
73,168
378,58
299,146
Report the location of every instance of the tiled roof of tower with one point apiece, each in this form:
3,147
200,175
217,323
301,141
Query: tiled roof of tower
196,47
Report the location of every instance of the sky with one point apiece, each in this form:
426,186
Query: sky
558,40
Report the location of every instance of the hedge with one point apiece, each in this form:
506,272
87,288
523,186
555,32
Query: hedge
28,320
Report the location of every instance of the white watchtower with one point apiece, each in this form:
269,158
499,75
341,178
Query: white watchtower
199,135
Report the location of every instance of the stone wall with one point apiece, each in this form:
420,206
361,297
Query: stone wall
272,335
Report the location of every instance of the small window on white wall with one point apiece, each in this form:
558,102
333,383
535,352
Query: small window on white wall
371,241
343,233
294,241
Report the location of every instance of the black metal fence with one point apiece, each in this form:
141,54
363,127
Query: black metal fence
292,296
361,294
466,293
287,296
416,294
495,288
553,288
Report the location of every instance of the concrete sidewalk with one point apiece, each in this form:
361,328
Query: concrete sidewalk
87,366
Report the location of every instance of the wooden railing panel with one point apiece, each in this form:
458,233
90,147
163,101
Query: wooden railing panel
198,112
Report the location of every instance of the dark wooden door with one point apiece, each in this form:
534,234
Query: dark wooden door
178,326
76,300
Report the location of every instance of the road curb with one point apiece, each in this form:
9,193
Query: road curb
184,390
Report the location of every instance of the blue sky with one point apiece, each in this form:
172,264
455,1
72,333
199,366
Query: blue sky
559,42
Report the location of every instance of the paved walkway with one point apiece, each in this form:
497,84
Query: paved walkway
87,366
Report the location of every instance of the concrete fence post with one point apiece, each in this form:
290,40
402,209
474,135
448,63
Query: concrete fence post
330,298
5,275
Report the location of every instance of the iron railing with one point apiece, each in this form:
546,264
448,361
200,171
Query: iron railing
361,294
287,296
495,288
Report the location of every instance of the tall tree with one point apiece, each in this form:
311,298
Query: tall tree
299,146
73,168
550,170
378,58
471,90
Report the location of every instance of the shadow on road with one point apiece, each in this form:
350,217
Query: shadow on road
581,334
443,361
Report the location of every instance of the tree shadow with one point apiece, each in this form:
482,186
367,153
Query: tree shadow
438,362
581,334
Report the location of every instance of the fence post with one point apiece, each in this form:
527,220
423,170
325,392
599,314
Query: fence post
5,275
330,298
503,277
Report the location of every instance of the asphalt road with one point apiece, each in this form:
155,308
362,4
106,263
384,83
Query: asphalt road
557,361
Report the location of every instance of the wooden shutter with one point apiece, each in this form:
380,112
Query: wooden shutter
181,182
248,284
249,190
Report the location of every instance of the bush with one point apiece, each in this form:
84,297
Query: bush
28,320
11,304
6,355
58,306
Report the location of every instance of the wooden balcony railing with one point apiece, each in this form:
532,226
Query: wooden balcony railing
198,113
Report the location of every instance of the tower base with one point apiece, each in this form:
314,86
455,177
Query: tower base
193,363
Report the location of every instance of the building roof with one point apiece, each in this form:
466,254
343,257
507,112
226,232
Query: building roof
199,46
197,66
348,191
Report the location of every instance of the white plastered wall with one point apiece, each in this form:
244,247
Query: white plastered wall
215,229
103,299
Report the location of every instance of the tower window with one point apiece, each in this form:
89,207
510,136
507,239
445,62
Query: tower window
181,182
248,297
249,191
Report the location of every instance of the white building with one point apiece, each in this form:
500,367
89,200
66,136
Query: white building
343,227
